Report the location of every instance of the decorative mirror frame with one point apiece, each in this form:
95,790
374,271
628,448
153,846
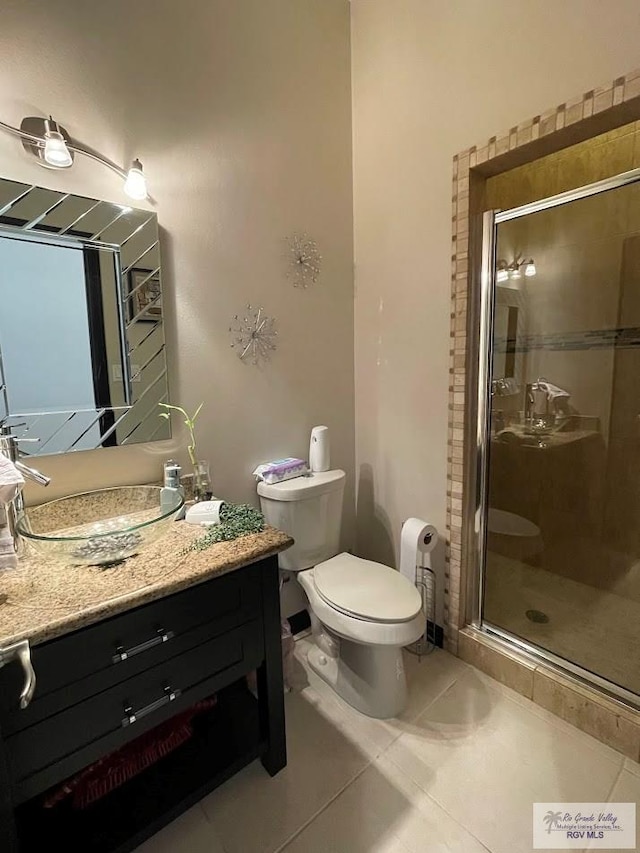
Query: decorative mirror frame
132,234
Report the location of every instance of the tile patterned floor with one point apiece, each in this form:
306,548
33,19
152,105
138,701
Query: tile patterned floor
458,773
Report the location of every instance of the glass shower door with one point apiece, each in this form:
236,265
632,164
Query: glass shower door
562,489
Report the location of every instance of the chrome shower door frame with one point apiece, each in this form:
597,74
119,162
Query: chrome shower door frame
477,506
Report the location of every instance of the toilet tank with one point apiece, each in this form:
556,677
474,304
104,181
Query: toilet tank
309,509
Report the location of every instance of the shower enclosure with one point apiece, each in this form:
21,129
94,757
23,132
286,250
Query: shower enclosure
556,528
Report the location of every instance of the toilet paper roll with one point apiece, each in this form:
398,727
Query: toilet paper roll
418,537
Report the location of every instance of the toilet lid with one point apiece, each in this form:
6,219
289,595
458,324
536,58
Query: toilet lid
366,590
510,524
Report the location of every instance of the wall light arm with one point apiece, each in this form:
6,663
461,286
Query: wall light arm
28,137
36,143
78,148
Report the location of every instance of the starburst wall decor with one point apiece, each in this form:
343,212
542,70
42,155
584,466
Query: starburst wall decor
253,336
305,260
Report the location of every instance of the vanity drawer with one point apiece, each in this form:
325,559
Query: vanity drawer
75,737
86,662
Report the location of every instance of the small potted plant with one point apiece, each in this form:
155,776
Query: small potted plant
201,474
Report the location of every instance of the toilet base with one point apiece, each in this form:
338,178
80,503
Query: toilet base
369,678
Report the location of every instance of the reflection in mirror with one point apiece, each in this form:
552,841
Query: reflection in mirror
509,327
82,351
505,332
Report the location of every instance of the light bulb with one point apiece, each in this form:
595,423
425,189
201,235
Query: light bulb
530,268
135,186
514,271
502,275
56,152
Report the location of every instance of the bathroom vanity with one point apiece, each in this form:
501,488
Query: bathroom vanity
121,653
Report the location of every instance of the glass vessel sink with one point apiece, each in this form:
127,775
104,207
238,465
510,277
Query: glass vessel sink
98,528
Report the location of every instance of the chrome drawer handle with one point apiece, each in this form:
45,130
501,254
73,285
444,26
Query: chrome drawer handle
132,716
22,652
162,636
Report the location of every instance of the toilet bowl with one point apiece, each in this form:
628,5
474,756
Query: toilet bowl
362,613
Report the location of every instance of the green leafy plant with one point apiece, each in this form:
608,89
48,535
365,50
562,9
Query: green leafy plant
235,520
190,423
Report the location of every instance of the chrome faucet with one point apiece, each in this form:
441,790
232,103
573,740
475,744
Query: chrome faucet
9,447
539,408
529,401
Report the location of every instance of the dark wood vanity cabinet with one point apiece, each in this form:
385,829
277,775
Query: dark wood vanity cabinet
104,685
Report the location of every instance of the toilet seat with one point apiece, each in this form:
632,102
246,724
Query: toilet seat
356,629
509,524
362,589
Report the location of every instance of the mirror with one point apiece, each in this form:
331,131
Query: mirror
505,334
509,326
82,349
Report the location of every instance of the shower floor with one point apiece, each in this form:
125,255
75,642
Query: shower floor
594,627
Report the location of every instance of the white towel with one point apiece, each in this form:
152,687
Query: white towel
8,557
11,480
552,391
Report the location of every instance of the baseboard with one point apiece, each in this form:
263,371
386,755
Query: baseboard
435,634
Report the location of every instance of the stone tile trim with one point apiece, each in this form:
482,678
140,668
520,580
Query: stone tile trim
598,100
585,708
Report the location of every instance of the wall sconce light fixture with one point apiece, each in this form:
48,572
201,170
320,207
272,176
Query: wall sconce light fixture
514,270
502,271
53,148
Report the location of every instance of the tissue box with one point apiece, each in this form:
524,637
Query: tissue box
281,469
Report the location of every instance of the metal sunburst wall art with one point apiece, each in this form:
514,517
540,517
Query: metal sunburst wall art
253,336
305,260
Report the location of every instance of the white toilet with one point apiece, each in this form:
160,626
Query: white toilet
362,613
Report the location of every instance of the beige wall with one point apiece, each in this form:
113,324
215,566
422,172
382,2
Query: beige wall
429,79
240,111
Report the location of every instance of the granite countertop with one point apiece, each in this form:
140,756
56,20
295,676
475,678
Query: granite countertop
43,599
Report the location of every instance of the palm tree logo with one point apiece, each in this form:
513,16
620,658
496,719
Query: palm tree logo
551,819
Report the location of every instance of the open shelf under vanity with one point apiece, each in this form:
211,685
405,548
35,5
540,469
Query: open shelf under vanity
225,739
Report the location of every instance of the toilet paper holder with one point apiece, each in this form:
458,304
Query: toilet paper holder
426,586
418,539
